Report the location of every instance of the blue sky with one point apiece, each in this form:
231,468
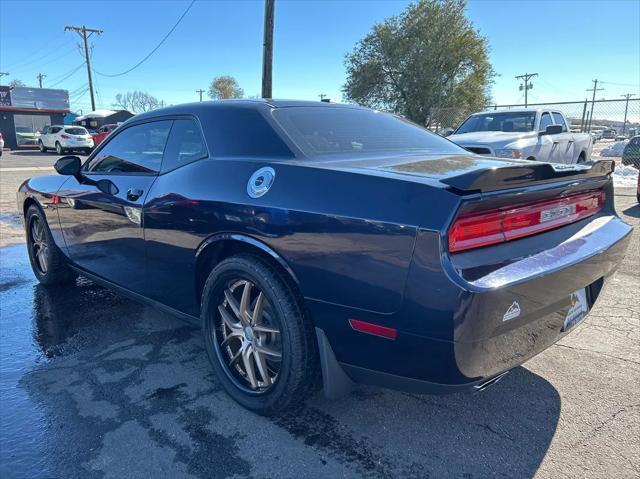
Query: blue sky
568,43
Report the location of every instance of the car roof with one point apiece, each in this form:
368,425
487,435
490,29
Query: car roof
516,110
252,104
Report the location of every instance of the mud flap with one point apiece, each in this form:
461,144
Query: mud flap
335,381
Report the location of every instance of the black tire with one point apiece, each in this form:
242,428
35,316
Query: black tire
43,149
59,149
298,373
55,270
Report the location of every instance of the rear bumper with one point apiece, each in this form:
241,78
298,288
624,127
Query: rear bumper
453,335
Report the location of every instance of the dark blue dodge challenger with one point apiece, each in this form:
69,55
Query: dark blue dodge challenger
321,243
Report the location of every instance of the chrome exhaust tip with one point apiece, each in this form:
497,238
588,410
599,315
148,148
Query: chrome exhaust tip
489,382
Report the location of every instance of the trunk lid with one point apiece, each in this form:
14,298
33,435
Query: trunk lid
472,174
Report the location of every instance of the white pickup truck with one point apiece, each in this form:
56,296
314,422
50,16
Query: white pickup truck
540,135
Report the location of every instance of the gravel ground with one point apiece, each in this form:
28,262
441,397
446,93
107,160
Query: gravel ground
95,385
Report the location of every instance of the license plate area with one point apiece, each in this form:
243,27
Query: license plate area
577,310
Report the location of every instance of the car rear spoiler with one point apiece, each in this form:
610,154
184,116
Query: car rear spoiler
485,180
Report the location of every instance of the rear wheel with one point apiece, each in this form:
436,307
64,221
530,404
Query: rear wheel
260,344
59,149
47,261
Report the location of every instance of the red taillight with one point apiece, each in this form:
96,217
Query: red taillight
66,137
504,224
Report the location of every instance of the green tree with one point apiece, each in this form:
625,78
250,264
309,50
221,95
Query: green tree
223,87
16,83
428,57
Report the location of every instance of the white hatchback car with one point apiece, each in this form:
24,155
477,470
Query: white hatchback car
65,138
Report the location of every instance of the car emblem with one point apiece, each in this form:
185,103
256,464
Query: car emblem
260,182
512,312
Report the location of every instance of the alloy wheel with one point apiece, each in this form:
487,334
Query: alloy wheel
249,336
39,245
58,149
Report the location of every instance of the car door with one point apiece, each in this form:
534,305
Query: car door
170,218
564,145
546,145
102,222
48,136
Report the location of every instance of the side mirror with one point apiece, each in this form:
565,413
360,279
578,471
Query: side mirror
68,165
552,130
107,186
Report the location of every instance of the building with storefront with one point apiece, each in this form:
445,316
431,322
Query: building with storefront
25,112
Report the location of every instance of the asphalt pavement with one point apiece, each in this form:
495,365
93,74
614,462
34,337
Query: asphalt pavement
96,385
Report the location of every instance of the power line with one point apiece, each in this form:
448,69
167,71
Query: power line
152,51
66,76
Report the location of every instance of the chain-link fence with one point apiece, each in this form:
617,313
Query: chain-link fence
604,117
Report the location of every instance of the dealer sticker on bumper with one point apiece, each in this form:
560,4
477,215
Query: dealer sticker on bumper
577,311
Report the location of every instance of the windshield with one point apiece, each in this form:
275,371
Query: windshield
503,121
325,131
76,131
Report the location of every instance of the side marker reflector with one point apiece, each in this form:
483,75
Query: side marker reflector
375,329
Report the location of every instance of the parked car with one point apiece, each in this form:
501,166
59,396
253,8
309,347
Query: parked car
102,133
540,135
301,237
609,133
63,138
1,143
631,157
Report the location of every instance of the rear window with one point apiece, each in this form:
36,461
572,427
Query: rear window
76,131
322,131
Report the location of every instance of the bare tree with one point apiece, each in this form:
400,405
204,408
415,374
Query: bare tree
16,83
136,101
225,86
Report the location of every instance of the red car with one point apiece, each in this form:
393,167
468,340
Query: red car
102,133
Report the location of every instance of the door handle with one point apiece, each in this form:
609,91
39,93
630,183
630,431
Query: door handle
134,193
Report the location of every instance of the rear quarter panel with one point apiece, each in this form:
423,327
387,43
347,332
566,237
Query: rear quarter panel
347,237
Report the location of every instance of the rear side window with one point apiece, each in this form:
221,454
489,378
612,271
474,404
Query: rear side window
185,145
244,133
136,150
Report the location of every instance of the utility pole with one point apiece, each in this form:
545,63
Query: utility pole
200,92
527,86
82,31
322,96
267,48
593,101
626,109
40,76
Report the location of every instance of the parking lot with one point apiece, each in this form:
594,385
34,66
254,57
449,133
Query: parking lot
96,385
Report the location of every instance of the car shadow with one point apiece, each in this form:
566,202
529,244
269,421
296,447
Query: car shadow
633,211
109,362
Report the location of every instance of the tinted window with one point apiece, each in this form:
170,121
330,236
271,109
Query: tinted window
327,130
54,129
137,149
76,131
185,145
559,120
499,121
545,121
243,132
